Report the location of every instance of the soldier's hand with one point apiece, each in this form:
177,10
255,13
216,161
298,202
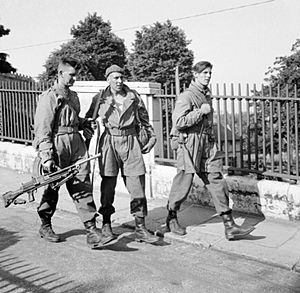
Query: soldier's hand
88,132
94,125
148,147
205,108
49,166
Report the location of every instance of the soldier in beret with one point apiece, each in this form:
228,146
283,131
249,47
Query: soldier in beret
120,109
59,144
197,153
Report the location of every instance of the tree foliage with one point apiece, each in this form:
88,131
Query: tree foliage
278,113
5,66
285,73
93,45
157,51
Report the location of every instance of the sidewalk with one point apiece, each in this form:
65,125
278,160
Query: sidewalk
273,242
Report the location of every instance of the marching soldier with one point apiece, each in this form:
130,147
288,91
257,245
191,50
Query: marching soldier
193,138
59,144
120,110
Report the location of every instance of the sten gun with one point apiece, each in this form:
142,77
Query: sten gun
55,179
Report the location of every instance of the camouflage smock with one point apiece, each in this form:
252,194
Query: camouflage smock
197,149
56,128
119,144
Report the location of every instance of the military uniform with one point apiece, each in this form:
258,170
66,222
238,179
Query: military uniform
121,150
197,150
57,137
197,153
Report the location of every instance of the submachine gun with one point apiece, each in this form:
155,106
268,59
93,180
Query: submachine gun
55,179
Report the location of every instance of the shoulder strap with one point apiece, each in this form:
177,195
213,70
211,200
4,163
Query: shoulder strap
138,117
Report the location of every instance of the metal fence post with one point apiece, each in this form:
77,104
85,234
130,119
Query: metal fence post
177,81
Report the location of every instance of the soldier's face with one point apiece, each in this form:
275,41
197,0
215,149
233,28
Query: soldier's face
116,80
67,76
203,77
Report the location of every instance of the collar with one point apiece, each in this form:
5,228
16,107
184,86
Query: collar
128,94
61,91
199,87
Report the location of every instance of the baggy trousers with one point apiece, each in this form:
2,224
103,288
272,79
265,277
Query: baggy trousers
80,189
213,181
70,148
136,188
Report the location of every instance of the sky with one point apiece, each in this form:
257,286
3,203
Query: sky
241,38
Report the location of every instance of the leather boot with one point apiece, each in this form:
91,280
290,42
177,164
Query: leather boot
232,230
173,224
48,234
141,233
94,236
107,232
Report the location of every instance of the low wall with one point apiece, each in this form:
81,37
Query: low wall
273,199
269,198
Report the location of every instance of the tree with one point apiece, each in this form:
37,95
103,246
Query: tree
5,66
157,51
279,114
285,71
93,45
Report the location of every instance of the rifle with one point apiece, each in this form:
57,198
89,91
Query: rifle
55,179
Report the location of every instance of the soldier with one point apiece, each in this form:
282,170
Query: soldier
193,138
59,144
120,110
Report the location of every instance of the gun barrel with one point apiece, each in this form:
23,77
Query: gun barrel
61,175
88,159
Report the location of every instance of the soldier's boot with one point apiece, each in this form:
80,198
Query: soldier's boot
107,232
173,224
94,237
232,230
141,233
46,232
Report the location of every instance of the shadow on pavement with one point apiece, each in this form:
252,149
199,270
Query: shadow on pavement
71,233
8,238
119,244
126,236
13,269
194,216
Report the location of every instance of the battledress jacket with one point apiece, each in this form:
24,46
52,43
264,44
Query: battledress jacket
115,122
56,126
197,149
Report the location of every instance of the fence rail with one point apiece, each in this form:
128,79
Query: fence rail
17,107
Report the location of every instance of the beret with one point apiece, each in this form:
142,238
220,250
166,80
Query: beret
113,68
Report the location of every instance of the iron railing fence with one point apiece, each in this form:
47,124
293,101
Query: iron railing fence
17,107
18,100
261,134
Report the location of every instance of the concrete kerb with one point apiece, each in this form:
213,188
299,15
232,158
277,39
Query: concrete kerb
254,247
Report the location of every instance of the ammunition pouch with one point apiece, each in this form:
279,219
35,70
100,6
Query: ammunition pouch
176,140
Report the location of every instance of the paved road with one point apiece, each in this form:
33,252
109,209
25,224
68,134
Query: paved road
30,264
